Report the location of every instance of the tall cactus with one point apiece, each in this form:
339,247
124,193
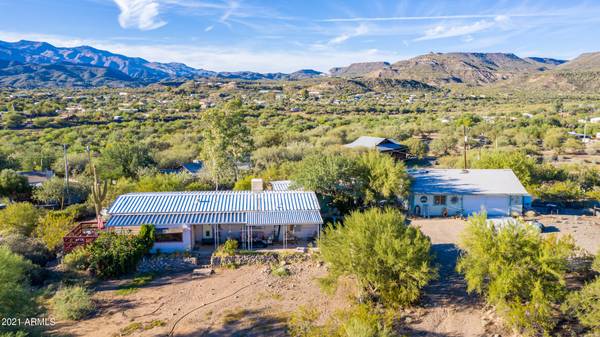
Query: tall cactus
99,190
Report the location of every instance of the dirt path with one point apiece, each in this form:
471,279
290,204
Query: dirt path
446,308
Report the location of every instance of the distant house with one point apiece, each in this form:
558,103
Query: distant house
383,145
449,192
193,168
186,220
37,178
595,120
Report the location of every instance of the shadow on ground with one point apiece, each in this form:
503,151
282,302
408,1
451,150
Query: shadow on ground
450,288
245,323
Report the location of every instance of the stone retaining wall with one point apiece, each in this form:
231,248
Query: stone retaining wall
166,263
266,258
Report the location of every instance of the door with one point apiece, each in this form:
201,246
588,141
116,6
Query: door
203,233
495,205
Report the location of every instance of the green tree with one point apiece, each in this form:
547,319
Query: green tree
125,159
332,176
54,191
391,261
518,271
13,120
20,217
385,178
226,142
523,166
13,184
554,139
416,147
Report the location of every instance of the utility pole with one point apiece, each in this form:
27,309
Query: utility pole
465,146
66,174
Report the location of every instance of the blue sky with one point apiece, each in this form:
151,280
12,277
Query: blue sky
264,35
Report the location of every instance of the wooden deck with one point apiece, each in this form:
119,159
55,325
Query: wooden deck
83,234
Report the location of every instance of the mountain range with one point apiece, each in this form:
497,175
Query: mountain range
28,64
32,64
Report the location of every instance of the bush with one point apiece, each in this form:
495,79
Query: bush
360,320
30,248
19,217
585,304
391,261
16,299
517,270
53,227
227,249
72,303
78,259
115,254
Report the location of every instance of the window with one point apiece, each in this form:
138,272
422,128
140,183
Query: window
454,199
169,235
423,199
439,200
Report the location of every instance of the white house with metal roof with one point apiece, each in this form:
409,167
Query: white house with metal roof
185,220
449,192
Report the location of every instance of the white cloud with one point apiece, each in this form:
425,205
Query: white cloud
140,14
444,31
437,17
209,28
358,31
222,58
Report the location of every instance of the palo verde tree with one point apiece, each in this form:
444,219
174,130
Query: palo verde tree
391,261
226,141
517,270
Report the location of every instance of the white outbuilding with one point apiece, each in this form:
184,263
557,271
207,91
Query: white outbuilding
450,192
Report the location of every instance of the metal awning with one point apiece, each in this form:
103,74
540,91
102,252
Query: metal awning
284,218
177,219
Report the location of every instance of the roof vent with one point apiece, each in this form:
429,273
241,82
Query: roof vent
257,185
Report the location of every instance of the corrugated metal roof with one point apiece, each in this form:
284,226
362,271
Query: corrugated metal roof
281,185
177,219
284,218
457,181
382,144
213,201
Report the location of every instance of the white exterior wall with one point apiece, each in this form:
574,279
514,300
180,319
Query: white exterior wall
468,204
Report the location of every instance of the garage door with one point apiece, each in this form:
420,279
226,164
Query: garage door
494,205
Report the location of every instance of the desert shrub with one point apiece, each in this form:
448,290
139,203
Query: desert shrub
585,304
228,248
359,320
390,261
16,299
30,248
517,270
78,259
280,270
115,254
19,217
72,303
53,227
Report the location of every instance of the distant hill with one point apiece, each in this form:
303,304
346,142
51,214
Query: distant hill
581,74
584,62
33,64
468,68
358,69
